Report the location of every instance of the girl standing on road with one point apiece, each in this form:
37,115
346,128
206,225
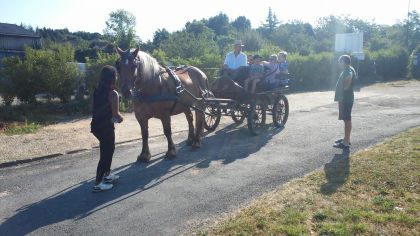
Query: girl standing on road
105,113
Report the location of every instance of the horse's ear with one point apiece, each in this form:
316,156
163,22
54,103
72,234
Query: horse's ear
136,51
119,50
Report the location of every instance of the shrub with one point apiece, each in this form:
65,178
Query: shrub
7,75
42,71
312,72
414,68
94,68
391,63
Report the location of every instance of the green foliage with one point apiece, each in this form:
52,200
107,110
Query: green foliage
219,23
94,68
120,29
241,24
42,71
413,30
312,72
252,39
159,36
7,75
271,21
414,65
391,63
27,128
185,45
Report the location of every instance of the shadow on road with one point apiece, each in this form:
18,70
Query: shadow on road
336,173
77,202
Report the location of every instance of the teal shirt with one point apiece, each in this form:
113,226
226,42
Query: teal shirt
342,95
256,70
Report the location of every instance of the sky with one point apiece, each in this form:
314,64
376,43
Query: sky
90,15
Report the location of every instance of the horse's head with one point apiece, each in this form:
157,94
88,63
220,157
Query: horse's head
127,68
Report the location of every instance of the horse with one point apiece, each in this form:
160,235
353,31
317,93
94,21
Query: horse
225,87
155,93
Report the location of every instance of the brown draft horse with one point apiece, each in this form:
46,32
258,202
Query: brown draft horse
155,89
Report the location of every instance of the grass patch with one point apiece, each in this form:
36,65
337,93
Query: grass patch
25,128
28,118
373,192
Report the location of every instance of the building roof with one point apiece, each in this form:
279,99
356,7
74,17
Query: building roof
15,30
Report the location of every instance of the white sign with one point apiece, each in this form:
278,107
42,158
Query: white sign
359,55
350,42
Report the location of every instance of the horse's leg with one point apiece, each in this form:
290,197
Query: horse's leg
166,123
145,152
199,126
190,119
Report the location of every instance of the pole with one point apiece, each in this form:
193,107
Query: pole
408,26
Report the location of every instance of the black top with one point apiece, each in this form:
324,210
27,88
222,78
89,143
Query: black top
102,111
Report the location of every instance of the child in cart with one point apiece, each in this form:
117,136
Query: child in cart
256,72
272,72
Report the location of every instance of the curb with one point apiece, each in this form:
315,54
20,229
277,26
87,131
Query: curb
25,161
50,156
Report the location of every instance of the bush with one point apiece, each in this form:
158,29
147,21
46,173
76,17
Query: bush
414,69
7,75
315,71
94,68
42,71
391,63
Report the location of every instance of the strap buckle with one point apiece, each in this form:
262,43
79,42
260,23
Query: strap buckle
179,89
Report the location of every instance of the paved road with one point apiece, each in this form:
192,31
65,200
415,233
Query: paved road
168,197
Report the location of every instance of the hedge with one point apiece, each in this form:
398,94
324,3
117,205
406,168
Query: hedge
41,71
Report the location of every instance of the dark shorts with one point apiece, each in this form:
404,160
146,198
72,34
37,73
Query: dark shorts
344,110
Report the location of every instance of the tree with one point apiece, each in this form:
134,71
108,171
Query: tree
197,27
271,22
159,36
219,23
413,30
120,29
241,24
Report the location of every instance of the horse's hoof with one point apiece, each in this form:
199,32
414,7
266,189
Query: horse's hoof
144,157
170,154
196,145
189,142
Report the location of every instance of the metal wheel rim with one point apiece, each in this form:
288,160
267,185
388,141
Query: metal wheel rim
258,116
211,119
280,110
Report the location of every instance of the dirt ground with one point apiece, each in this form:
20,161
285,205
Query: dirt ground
75,135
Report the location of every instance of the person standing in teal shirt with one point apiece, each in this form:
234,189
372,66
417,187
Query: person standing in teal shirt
344,95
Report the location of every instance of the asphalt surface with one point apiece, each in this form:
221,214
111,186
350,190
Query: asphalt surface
170,197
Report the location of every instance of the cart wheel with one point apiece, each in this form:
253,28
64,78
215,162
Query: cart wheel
211,118
238,114
256,117
280,111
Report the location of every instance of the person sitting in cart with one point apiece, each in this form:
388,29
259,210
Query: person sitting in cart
256,72
250,59
283,68
272,72
235,61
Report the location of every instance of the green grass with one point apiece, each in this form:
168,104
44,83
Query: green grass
374,192
26,128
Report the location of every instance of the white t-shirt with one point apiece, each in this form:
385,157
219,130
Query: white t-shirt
234,62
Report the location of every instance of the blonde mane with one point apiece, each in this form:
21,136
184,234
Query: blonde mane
148,65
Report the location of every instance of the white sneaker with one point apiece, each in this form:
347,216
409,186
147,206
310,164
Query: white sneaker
102,187
111,178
